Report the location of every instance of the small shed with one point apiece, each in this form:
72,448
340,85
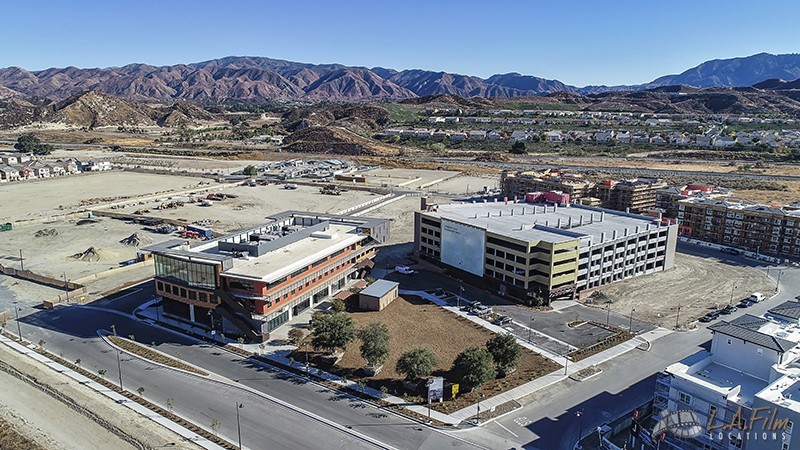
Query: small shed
377,295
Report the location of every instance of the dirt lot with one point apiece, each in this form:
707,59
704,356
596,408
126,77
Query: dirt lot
253,204
408,178
463,184
42,198
696,284
51,255
416,323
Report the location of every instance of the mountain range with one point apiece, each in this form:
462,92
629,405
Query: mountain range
254,79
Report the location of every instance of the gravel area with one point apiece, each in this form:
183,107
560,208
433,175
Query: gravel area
696,284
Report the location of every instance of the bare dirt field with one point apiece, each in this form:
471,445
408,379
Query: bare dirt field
697,284
253,204
42,198
405,178
464,184
52,254
417,323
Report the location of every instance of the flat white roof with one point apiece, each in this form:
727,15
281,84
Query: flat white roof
536,222
283,261
379,288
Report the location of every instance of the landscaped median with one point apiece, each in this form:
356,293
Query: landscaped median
150,354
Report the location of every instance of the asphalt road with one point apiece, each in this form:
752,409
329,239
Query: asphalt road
72,332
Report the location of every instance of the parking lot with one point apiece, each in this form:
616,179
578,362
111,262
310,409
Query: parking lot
550,330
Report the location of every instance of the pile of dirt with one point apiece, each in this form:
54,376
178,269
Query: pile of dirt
335,141
46,232
94,254
361,119
137,239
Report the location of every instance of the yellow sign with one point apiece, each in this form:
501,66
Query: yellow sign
454,390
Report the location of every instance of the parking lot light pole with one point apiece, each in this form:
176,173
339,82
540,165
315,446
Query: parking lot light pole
608,314
119,362
580,429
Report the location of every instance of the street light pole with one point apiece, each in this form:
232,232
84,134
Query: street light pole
19,329
580,429
778,281
566,363
530,327
678,317
21,261
66,286
630,325
733,288
608,314
238,424
119,362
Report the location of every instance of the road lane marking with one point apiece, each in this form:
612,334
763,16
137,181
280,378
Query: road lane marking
504,427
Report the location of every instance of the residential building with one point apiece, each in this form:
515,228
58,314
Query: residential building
520,183
743,224
8,173
752,370
667,199
536,253
637,195
250,282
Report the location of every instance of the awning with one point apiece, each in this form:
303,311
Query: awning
368,263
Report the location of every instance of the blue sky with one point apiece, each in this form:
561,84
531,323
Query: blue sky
577,42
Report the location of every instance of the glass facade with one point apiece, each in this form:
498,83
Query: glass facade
195,274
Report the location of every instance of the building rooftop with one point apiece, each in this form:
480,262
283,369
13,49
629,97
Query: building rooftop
788,309
740,205
749,334
536,222
379,288
734,385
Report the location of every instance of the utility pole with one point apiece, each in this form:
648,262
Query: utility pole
238,424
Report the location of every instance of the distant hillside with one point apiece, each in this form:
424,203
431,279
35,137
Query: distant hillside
96,109
238,79
735,72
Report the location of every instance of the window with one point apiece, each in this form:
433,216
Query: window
759,350
192,295
788,428
785,446
730,341
685,398
159,285
712,410
736,441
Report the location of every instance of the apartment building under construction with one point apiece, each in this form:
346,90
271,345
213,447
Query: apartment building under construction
741,224
636,195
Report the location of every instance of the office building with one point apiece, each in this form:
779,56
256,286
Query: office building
250,282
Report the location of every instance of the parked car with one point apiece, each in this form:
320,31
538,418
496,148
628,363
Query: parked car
711,315
745,303
756,297
730,251
503,320
482,310
728,309
405,270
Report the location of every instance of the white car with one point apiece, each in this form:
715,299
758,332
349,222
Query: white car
405,270
756,297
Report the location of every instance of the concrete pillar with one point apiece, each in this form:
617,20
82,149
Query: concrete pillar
615,234
602,237
191,312
602,215
559,223
580,220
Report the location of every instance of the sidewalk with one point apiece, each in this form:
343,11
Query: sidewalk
113,395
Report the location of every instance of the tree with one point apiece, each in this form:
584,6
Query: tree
473,367
140,390
28,143
338,305
102,372
333,331
374,343
296,336
505,351
518,148
416,363
250,170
